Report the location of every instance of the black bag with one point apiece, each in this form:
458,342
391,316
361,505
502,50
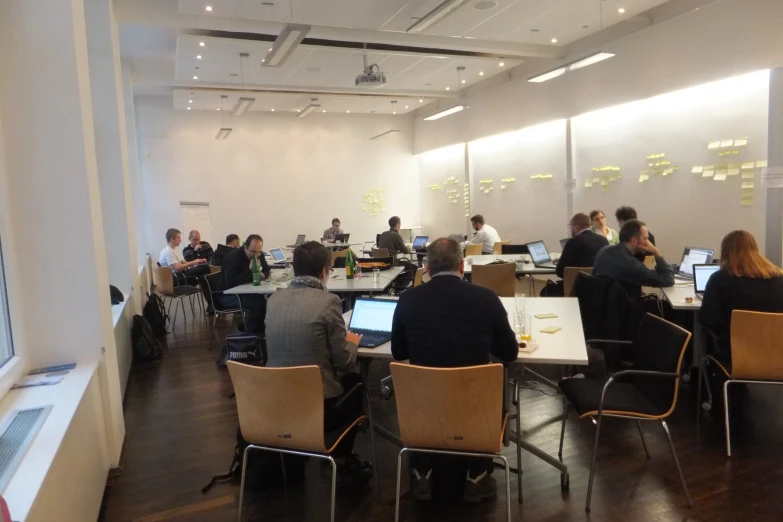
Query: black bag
243,348
116,295
155,314
145,346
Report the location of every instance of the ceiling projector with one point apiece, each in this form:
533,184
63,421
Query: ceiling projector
371,77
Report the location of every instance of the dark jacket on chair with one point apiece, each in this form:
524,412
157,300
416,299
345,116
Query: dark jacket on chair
580,251
235,269
450,323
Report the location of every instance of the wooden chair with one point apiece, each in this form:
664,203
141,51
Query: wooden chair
498,247
649,261
569,276
452,411
214,269
648,392
380,252
473,250
282,410
338,255
756,356
417,279
164,279
500,278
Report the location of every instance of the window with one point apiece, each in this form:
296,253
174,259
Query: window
6,343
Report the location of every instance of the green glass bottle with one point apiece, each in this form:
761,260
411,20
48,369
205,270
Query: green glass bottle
349,265
256,270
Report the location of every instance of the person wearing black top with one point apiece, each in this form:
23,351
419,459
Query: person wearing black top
235,271
197,249
450,323
392,240
579,251
624,214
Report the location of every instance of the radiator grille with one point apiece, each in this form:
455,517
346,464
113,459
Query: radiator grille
16,435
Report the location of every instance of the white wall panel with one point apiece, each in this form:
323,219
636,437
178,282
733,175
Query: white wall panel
440,217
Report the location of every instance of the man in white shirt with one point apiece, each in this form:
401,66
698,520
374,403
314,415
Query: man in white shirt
170,258
485,235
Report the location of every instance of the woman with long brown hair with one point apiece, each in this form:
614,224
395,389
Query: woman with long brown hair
746,281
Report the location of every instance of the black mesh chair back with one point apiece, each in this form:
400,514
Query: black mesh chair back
213,289
513,249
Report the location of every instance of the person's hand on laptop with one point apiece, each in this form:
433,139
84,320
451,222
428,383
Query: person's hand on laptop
353,338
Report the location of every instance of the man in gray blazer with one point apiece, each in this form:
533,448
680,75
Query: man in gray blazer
305,326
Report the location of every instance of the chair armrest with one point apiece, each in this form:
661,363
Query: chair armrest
387,387
353,391
624,373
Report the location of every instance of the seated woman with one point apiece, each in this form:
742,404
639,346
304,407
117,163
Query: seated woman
598,219
746,281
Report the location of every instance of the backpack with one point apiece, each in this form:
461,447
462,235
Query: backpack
155,313
244,348
145,346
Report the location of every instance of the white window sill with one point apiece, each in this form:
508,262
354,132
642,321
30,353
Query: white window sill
116,310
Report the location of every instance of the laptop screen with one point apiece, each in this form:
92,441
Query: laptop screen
342,238
300,239
538,252
373,315
277,255
695,256
702,274
420,242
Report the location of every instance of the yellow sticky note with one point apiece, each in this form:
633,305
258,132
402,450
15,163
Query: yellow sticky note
596,180
667,172
761,164
713,145
734,165
748,165
747,202
748,174
747,193
748,184
551,329
740,142
588,183
697,170
708,173
726,143
720,176
643,177
545,316
733,172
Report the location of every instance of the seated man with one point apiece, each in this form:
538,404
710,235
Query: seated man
232,241
196,249
185,272
618,261
579,251
235,272
485,235
331,233
624,214
305,326
392,241
451,323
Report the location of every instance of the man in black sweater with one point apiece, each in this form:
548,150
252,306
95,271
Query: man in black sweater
449,323
624,214
197,249
235,271
579,251
392,241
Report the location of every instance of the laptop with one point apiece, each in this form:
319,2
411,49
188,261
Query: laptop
540,255
372,318
702,274
693,256
342,238
563,243
299,240
278,256
420,243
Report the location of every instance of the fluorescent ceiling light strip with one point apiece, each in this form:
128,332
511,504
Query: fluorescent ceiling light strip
548,76
307,110
584,62
384,134
443,113
290,37
242,105
590,60
436,15
223,133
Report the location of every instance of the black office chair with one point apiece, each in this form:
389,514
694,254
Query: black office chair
648,392
513,249
213,291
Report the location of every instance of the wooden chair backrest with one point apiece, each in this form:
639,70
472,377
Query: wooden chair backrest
417,279
450,408
380,252
164,281
214,269
338,255
756,345
280,407
499,278
649,261
473,250
569,276
498,247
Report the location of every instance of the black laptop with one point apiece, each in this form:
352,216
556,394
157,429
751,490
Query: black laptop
342,238
372,318
420,243
692,256
299,240
540,255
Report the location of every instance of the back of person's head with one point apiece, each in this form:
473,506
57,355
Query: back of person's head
335,221
394,221
625,214
310,259
231,238
478,218
171,234
251,238
741,257
444,255
580,221
631,229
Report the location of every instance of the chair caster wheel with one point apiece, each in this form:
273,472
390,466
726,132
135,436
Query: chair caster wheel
686,377
564,481
706,406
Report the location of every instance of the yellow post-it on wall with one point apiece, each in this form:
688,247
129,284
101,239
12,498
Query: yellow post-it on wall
545,316
550,329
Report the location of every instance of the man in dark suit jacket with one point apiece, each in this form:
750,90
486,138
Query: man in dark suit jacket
579,251
450,323
235,271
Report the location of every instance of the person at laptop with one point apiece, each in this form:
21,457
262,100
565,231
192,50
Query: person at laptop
624,214
330,234
450,323
485,235
598,220
392,241
579,251
621,261
305,326
185,272
196,249
236,271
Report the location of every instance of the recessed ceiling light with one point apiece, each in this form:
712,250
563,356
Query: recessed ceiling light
621,10
198,57
209,8
217,108
195,77
463,81
201,44
190,101
273,110
554,40
349,112
448,88
323,110
406,106
188,108
535,30
501,64
262,61
394,112
481,73
270,49
298,110
421,100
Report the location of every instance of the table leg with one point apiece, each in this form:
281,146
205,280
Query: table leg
698,346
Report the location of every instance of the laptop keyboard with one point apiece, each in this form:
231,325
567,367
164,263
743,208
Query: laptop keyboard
373,339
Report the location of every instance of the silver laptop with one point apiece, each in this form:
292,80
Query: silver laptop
540,255
702,274
278,256
372,318
299,240
693,256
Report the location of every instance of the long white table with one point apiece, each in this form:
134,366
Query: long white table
337,283
676,295
525,266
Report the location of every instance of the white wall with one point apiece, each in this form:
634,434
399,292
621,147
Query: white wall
440,217
276,175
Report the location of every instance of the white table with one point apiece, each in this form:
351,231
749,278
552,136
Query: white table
525,266
337,283
676,296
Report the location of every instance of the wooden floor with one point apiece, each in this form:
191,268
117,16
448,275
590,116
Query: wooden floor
181,431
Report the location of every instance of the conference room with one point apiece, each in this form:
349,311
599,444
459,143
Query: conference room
391,260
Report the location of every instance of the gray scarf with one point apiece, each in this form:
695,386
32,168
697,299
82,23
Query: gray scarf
308,281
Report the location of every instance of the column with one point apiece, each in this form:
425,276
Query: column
774,220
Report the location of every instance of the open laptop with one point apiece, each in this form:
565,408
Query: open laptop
540,255
372,318
702,274
693,256
299,240
563,243
278,256
420,243
342,238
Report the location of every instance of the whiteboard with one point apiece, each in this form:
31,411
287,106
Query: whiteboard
196,217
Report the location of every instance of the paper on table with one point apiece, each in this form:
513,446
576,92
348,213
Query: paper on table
545,316
550,329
